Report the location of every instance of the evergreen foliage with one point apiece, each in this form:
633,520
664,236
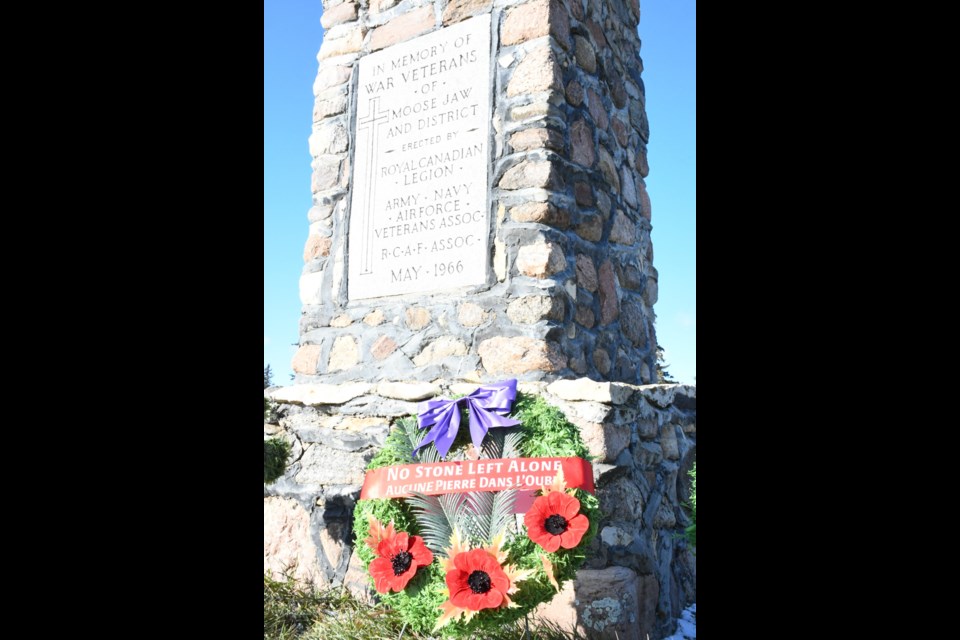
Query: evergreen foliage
691,531
276,451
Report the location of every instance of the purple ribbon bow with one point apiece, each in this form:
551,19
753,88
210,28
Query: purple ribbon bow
444,415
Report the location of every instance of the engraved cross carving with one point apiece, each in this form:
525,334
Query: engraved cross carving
369,123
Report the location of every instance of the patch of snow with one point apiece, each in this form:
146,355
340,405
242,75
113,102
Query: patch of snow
686,624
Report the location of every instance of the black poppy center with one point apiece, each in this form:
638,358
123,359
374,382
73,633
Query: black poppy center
401,562
479,582
555,524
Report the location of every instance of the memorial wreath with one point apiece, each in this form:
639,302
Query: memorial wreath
466,530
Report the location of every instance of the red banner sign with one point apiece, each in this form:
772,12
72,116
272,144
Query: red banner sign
492,474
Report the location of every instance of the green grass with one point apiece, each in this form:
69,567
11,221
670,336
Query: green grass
289,609
294,612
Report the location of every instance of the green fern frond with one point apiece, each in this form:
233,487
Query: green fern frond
492,446
408,428
511,444
501,514
489,513
437,516
480,505
502,442
415,436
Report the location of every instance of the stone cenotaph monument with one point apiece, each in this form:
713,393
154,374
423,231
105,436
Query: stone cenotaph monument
480,208
480,213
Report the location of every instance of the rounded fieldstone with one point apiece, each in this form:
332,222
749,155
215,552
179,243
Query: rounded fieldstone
586,273
609,170
642,165
609,304
328,139
470,315
532,309
578,363
590,228
628,186
317,247
348,42
541,212
583,194
374,318
344,12
525,22
529,174
459,10
344,354
329,77
584,316
603,204
403,27
417,318
651,291
617,91
536,138
644,373
581,144
342,320
383,347
288,548
601,360
597,32
586,57
623,231
597,111
325,174
619,131
439,349
306,359
574,93
514,356
538,71
644,200
631,278
540,259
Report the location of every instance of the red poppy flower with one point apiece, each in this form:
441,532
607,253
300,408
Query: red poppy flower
399,557
555,521
477,581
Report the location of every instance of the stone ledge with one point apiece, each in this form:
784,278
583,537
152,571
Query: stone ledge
410,391
587,389
662,395
319,393
463,388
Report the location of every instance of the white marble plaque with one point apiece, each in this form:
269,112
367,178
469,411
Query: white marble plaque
419,218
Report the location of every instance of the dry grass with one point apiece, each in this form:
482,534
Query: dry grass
291,611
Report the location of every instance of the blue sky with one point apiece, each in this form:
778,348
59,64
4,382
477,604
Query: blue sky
291,38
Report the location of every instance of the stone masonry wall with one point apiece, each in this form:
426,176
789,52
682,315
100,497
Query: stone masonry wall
571,285
642,438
